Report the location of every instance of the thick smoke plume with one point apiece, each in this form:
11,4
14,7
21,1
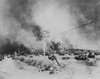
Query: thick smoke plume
21,21
14,23
55,17
59,17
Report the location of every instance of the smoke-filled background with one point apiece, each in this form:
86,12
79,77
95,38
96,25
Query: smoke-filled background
21,21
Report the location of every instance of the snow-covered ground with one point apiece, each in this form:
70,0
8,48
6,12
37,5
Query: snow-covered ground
9,69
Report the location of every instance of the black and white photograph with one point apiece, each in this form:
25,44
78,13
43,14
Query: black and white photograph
49,39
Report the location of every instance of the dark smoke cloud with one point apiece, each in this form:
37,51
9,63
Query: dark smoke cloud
92,12
15,23
22,20
20,10
87,11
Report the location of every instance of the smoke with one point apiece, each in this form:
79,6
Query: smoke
87,11
14,24
54,17
21,21
59,17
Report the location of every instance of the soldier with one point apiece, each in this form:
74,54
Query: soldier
54,49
